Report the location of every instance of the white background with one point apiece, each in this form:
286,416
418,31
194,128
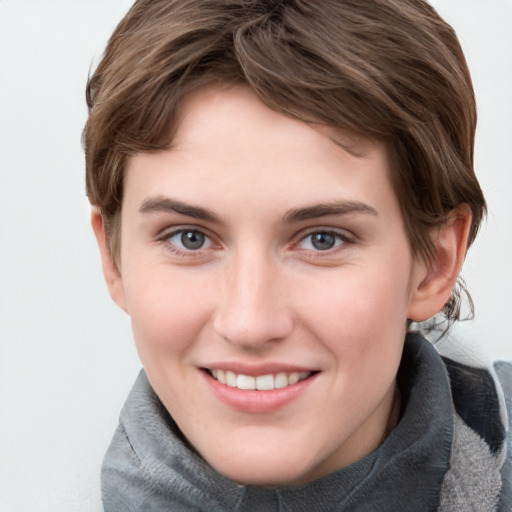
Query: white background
66,355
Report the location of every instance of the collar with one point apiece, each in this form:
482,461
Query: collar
149,465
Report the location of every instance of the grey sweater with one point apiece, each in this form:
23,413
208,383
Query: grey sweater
448,453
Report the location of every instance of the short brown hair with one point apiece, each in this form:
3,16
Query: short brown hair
388,69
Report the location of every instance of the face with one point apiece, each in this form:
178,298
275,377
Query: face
260,252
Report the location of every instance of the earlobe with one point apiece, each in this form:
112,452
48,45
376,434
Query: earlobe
111,272
434,284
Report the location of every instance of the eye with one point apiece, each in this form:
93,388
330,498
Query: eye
189,240
322,241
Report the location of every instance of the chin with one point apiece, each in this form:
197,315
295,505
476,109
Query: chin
265,479
267,472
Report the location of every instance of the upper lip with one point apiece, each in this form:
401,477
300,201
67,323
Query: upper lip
255,370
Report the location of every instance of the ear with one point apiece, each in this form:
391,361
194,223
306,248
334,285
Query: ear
110,271
434,282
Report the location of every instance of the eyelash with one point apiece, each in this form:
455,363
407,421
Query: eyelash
341,240
184,253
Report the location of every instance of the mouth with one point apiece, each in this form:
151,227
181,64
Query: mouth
266,382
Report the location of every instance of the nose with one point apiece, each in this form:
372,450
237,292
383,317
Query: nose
252,308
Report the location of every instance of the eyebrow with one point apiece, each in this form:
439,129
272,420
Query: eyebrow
166,204
326,209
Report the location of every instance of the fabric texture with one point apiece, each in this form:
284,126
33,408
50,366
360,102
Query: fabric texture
448,452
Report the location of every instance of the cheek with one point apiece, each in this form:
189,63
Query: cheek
167,311
361,316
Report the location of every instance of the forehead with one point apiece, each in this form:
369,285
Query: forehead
228,145
240,104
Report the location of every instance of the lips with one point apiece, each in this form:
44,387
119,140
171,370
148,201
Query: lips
262,389
265,382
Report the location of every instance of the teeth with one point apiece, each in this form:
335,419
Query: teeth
262,382
281,380
245,382
231,379
265,382
293,378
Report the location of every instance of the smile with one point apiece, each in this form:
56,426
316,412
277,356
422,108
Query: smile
261,382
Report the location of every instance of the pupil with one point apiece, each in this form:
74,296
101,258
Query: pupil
323,241
192,240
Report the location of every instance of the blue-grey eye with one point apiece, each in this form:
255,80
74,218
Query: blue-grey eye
190,240
321,241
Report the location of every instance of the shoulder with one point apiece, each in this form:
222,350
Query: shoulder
504,373
479,400
482,399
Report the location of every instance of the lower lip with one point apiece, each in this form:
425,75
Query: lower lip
256,401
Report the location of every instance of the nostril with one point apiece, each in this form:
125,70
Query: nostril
252,329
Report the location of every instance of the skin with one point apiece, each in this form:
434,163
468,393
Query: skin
258,292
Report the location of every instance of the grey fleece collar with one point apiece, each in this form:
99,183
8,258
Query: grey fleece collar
149,466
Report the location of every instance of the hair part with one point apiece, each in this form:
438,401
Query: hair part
386,69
